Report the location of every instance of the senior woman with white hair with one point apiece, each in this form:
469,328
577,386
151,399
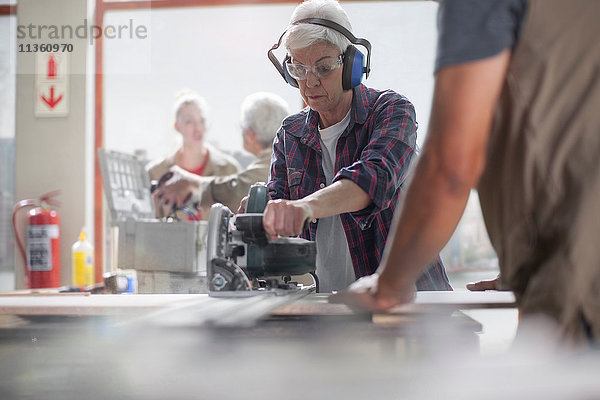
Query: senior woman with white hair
341,162
260,118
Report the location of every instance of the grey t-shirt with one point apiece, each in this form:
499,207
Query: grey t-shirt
470,30
334,263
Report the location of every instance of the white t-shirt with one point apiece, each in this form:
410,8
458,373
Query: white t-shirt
334,263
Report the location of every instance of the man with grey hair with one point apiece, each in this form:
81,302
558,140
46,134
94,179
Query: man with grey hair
339,164
261,116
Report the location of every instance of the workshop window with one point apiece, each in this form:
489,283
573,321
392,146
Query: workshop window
7,146
469,255
220,52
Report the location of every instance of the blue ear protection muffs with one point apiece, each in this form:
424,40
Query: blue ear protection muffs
354,64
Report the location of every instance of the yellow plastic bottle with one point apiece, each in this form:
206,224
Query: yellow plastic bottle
83,261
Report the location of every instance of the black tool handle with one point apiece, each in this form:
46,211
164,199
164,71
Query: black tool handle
258,196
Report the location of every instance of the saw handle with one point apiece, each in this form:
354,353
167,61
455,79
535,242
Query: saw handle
258,196
251,227
250,222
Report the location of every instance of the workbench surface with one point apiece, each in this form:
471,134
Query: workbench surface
286,346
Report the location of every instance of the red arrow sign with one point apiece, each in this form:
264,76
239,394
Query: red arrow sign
52,102
51,68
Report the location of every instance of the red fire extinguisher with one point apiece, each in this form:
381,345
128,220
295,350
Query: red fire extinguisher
41,254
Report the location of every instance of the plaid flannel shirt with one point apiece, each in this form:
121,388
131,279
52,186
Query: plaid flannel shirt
374,152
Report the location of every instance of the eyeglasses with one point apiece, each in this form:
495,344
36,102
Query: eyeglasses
321,69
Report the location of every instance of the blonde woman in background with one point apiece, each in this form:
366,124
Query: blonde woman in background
260,119
195,155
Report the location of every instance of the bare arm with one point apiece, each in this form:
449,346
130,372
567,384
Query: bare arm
286,217
451,164
180,187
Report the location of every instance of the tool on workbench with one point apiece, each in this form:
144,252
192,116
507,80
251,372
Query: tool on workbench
241,257
120,281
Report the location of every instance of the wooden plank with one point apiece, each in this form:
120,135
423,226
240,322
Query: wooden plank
141,4
98,143
425,302
8,10
466,299
316,304
68,304
48,303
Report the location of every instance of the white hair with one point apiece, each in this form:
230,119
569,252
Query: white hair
263,112
187,96
299,36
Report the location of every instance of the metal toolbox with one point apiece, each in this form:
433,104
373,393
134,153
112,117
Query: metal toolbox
145,242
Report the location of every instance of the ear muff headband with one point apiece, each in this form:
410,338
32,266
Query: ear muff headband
286,74
354,66
280,67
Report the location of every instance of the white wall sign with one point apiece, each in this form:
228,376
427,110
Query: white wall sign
52,84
